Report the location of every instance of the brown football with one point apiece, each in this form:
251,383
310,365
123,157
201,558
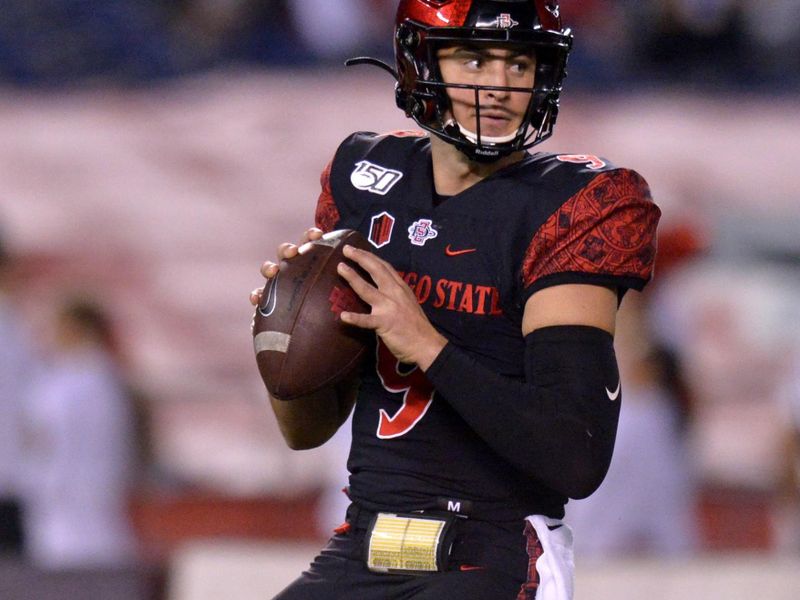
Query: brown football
301,345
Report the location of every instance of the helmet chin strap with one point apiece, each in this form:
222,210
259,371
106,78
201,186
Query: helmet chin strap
473,137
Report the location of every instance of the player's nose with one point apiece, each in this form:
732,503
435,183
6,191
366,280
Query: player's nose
497,76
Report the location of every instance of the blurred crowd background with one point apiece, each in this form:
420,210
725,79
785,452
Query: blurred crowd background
67,42
153,153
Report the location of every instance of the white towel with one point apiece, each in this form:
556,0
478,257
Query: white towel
556,565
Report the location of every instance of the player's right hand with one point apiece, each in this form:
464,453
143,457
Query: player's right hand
286,251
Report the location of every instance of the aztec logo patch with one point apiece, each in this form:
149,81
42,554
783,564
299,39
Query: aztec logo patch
421,231
374,178
380,229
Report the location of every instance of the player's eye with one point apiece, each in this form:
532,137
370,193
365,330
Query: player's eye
473,63
521,66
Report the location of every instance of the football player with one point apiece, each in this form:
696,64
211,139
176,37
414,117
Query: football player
496,274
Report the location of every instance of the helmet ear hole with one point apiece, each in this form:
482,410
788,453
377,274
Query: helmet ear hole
407,37
413,107
417,108
402,100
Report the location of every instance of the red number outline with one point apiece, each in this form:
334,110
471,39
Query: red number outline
417,393
590,160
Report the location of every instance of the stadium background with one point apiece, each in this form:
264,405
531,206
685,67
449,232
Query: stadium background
154,153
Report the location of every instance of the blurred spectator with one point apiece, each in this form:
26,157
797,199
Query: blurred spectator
773,27
787,514
646,503
695,41
338,30
55,42
604,42
333,501
225,31
16,371
67,41
80,449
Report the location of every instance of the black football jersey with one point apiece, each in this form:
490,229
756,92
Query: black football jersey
472,260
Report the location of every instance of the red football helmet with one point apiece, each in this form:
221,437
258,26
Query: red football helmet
424,26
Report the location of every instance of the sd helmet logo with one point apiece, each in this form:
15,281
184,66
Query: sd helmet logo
504,21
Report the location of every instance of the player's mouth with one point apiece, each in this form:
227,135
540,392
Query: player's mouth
496,121
494,112
500,120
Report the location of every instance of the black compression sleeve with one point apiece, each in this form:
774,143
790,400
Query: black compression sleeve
559,425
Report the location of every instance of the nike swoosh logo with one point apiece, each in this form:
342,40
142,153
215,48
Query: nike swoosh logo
450,252
615,394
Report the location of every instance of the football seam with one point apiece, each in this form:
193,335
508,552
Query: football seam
297,316
349,367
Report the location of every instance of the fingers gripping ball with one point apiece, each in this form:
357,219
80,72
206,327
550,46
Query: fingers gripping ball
300,343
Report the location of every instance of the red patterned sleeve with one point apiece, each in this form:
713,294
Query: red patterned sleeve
327,215
604,234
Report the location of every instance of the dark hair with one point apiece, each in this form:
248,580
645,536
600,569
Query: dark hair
673,379
5,255
91,318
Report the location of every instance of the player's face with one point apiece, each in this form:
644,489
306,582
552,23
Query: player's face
501,112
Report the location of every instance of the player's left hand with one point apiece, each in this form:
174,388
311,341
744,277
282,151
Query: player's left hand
286,251
396,315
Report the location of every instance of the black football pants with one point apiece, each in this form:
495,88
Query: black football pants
340,573
487,562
